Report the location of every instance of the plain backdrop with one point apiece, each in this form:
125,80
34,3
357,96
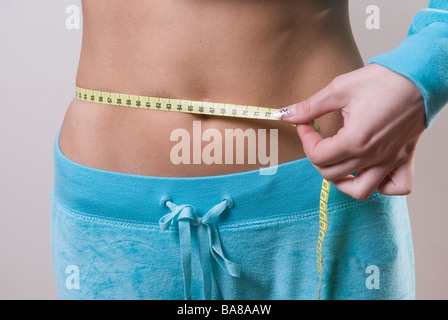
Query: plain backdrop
38,61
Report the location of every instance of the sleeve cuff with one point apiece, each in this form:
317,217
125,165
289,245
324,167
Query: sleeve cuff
423,58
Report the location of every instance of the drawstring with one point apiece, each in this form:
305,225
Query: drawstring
185,216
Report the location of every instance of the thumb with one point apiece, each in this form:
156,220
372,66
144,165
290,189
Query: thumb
324,101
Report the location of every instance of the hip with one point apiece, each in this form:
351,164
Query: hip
270,230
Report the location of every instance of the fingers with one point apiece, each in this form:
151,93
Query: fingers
387,181
324,101
364,183
399,181
323,152
344,168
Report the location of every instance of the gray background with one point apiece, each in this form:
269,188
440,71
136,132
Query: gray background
38,60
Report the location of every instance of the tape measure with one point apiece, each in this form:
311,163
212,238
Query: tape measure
216,109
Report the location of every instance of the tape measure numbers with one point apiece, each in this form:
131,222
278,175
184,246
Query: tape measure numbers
176,105
216,109
323,224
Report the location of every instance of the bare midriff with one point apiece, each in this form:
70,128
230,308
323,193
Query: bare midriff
267,53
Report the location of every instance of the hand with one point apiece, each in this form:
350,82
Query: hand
384,117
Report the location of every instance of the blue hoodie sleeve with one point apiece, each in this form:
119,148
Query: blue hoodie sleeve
423,57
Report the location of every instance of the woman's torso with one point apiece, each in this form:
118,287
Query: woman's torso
267,53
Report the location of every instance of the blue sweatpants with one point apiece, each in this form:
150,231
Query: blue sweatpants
234,236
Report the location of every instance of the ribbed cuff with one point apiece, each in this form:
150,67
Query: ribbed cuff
423,58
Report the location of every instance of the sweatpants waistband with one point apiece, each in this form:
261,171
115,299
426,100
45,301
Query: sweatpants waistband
294,188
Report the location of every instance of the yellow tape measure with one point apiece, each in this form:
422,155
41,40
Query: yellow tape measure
323,223
177,105
209,108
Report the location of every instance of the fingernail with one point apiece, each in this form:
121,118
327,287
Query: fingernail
284,112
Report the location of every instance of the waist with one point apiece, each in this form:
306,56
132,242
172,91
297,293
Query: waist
148,142
172,144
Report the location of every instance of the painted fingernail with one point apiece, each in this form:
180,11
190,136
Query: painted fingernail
284,112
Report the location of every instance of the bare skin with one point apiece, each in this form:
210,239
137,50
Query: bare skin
267,53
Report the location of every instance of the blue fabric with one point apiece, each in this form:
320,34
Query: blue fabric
423,57
235,236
